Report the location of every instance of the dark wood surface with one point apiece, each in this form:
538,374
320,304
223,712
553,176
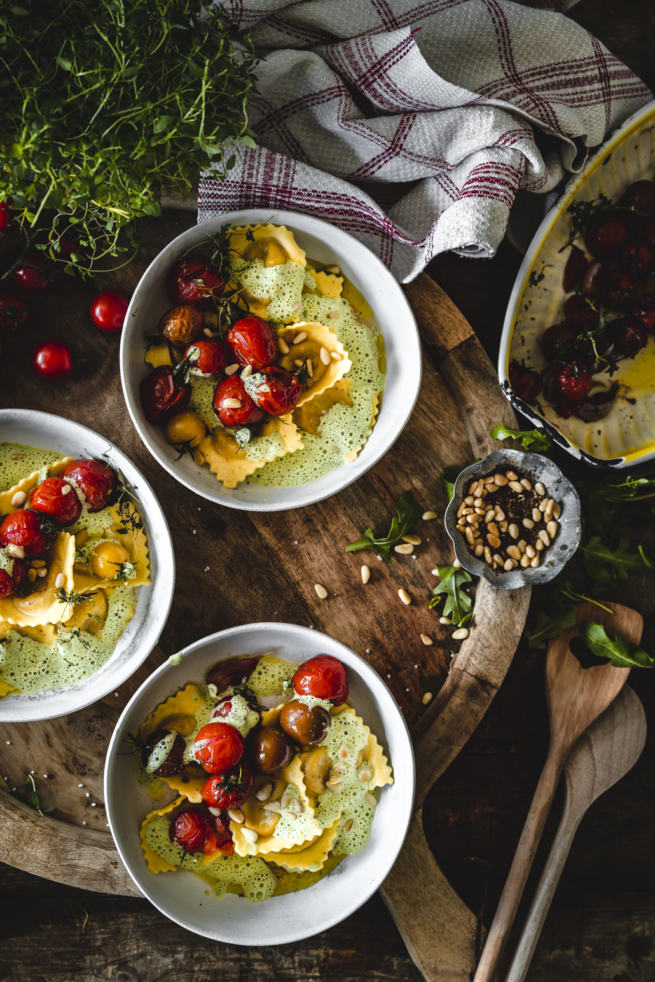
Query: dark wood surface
602,923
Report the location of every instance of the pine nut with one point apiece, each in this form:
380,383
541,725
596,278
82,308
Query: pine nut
490,488
536,515
522,545
515,486
525,561
335,270
370,799
349,824
557,511
548,514
500,480
528,523
365,776
445,620
236,815
469,500
538,545
320,591
249,835
232,403
297,305
405,597
300,337
285,801
461,634
500,514
414,539
37,563
324,355
488,480
293,816
457,564
487,554
498,559
551,528
479,549
460,510
513,530
427,697
543,504
503,525
283,346
42,572
507,565
545,538
67,489
231,369
473,519
514,552
343,752
264,792
60,581
489,516
478,503
534,562
31,575
297,806
406,549
19,499
460,528
310,368
539,488
493,541
247,372
16,551
366,574
335,356
526,484
429,515
492,528
335,314
207,331
530,551
511,476
426,640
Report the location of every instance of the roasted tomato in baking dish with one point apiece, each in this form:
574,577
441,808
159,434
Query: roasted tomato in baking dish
96,481
57,499
218,747
525,383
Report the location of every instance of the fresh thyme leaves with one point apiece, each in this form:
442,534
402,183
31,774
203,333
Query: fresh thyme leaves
622,653
581,213
75,634
125,571
104,104
458,605
535,440
65,596
408,514
185,448
35,798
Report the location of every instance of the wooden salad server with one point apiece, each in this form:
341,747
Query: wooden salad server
601,757
576,697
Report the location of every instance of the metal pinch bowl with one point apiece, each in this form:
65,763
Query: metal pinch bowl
565,544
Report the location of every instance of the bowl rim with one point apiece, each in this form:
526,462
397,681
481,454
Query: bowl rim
635,121
371,678
516,578
158,607
334,238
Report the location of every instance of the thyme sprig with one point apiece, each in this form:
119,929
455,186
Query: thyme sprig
35,801
65,596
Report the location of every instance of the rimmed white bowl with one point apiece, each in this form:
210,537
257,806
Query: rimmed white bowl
48,432
325,244
280,920
627,435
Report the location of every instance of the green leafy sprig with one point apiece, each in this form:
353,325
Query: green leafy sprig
458,605
408,514
35,798
534,440
622,653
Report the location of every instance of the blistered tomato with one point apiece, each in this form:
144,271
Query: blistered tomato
323,677
26,530
230,788
57,499
206,358
276,391
233,405
218,747
194,279
253,342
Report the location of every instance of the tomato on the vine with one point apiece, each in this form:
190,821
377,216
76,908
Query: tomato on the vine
57,499
194,279
13,309
230,788
233,405
218,747
35,272
96,481
29,531
253,342
323,677
53,359
108,310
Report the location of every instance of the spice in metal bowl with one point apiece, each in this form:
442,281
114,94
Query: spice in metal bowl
507,520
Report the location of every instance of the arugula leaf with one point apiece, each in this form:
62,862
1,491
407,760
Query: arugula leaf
458,605
602,564
603,498
551,624
622,653
542,442
408,513
449,475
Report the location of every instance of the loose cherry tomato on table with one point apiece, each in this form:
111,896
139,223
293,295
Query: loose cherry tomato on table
164,394
253,342
29,531
218,747
233,405
182,324
36,272
57,499
640,196
554,340
275,390
206,358
96,481
194,279
525,382
230,788
189,830
53,359
232,671
13,309
606,234
108,310
323,677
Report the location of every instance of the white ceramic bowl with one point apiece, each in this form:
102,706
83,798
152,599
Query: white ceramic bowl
627,435
280,920
135,644
325,244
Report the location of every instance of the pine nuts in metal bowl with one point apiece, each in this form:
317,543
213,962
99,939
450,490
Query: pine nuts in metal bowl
514,519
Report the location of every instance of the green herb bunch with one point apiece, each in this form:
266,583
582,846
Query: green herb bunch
104,104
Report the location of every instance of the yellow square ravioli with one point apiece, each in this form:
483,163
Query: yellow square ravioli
231,464
29,482
43,605
318,338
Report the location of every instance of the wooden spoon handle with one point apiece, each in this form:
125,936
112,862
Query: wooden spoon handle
518,874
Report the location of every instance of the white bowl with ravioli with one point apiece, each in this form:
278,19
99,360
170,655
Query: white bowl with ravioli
325,245
64,438
180,894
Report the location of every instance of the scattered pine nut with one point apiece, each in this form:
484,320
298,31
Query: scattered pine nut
333,269
232,403
545,538
19,499
349,824
445,620
461,634
539,545
334,315
551,528
37,563
513,531
297,305
406,549
249,835
469,536
508,564
487,554
479,549
247,372
525,560
207,331
469,500
536,515
427,697
493,541
16,551
426,639
236,815
310,368
515,486
60,581
528,523
511,476
300,337
429,515
298,362
324,355
414,539
522,544
335,356
535,561
557,511
543,504
365,776
343,752
514,552
264,792
283,346
297,806
42,572
370,799
457,564
366,574
500,480
530,552
31,575
492,528
498,559
320,591
231,369
526,484
405,597
284,801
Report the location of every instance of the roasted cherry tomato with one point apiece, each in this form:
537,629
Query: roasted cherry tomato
307,725
640,196
181,325
57,499
592,279
647,232
616,286
206,358
108,310
230,788
13,309
28,530
233,405
524,381
96,481
576,264
606,234
570,383
233,671
218,747
189,830
270,749
643,311
163,395
9,581
580,313
172,763
5,215
554,340
53,359
194,279
639,258
253,342
627,335
323,677
275,390
35,273
221,827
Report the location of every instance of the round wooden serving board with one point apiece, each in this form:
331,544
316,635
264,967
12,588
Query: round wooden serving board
234,567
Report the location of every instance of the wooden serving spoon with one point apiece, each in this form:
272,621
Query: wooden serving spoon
601,757
576,697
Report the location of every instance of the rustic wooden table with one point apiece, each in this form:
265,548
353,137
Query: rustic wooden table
602,923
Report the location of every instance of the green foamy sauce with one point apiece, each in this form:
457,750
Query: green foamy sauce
269,677
32,459
32,666
281,284
202,399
